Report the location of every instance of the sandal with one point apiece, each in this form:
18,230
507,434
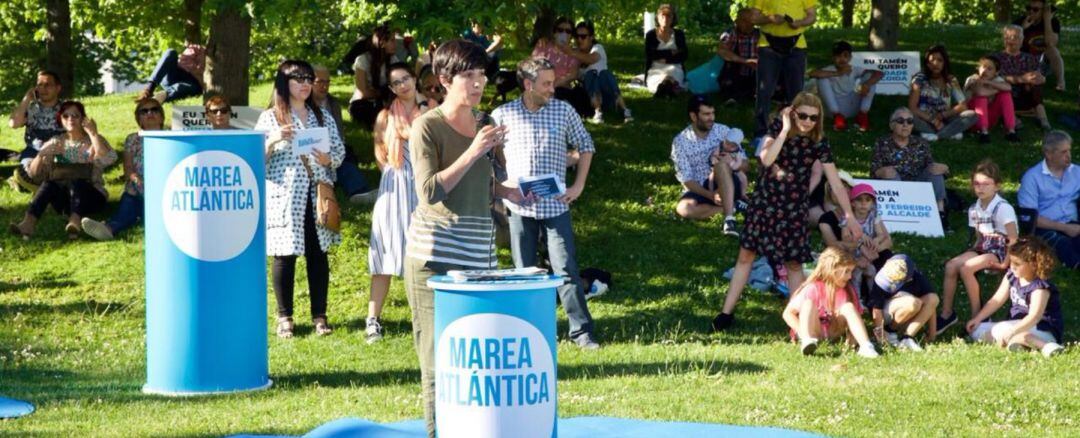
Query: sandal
285,327
322,328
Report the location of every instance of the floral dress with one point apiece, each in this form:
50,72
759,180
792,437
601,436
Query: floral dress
776,224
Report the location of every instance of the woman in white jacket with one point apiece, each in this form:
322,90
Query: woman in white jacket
291,179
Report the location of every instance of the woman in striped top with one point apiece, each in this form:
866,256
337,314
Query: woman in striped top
451,148
397,192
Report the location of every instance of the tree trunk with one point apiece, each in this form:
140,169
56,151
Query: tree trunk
884,24
1003,10
228,55
59,56
847,13
192,15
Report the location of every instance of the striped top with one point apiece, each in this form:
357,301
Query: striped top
452,227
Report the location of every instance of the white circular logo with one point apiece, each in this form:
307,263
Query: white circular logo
210,205
494,377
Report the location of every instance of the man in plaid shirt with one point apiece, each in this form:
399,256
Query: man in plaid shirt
540,131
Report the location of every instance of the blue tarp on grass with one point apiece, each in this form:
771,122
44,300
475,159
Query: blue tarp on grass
579,427
11,408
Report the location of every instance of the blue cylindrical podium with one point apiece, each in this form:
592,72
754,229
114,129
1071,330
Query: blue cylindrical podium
495,359
205,262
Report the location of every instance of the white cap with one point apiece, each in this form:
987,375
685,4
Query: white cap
734,135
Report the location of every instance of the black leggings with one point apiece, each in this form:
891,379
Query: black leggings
79,197
318,271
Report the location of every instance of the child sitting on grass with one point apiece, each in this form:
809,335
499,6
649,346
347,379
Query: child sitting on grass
847,90
873,248
902,301
1035,319
991,98
825,306
994,224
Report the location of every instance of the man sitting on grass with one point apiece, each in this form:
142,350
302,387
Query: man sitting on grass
713,176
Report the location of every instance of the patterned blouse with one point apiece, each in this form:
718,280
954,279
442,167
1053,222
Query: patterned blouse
910,161
81,152
1018,64
133,147
935,100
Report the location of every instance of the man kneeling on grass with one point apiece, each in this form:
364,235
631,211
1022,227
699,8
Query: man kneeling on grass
902,302
711,165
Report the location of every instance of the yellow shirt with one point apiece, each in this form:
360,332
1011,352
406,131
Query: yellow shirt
794,8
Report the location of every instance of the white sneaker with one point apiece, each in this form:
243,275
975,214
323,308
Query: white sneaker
373,331
1051,349
959,136
365,198
928,136
868,351
809,346
96,229
596,289
597,118
909,344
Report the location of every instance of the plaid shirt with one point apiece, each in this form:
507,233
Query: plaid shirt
745,46
536,144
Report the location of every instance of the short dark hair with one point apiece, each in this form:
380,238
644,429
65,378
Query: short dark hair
51,74
456,56
696,102
988,168
587,25
841,47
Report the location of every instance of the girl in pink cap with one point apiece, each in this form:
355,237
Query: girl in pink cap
874,247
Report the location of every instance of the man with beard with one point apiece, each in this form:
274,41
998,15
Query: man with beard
704,166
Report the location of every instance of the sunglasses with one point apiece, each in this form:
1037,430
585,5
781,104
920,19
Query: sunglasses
219,111
149,111
804,116
904,120
71,116
582,36
564,30
303,79
400,82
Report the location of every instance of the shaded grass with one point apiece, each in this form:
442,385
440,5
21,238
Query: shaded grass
72,337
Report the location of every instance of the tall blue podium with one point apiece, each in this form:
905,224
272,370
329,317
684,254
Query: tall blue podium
206,329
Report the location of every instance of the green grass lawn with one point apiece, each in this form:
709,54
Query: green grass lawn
72,313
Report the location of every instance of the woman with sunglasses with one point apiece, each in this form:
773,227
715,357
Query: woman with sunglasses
937,100
218,111
149,116
776,220
71,165
291,180
397,192
665,53
598,80
554,45
901,156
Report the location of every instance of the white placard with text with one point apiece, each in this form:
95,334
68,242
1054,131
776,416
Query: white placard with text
907,206
898,67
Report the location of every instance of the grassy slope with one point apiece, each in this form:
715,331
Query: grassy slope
71,314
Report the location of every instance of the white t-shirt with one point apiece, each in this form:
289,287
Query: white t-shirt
601,62
845,84
987,221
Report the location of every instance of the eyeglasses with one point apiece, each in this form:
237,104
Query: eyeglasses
400,82
219,111
582,36
303,79
148,111
804,116
904,120
71,116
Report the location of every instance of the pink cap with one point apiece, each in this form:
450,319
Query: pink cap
862,189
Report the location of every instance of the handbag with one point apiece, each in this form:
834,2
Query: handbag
327,211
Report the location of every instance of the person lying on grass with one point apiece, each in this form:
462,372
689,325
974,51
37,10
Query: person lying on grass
902,302
1035,319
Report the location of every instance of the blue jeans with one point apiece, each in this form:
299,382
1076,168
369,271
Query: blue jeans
773,68
1067,248
127,213
524,236
176,82
350,179
601,83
